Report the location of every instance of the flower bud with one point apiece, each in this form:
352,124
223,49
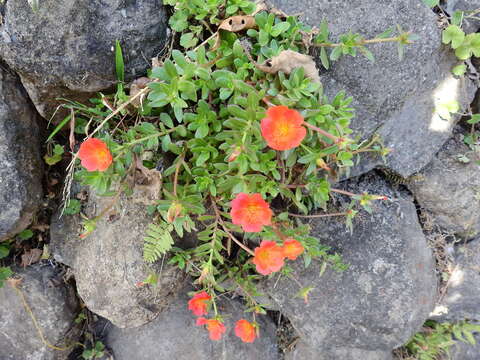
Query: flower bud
236,152
174,211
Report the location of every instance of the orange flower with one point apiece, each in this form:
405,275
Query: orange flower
251,212
282,128
292,249
214,327
268,257
198,304
245,331
95,155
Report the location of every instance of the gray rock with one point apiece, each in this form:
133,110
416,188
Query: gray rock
463,351
174,335
304,352
54,306
461,299
397,99
108,264
386,294
65,49
450,190
21,166
468,24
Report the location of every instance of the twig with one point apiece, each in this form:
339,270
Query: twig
27,307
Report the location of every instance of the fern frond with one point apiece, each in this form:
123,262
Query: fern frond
157,242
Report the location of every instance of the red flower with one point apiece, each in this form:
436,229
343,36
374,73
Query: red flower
282,128
214,327
245,331
95,155
251,212
198,304
292,249
268,257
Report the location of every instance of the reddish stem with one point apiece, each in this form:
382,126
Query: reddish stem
334,138
219,217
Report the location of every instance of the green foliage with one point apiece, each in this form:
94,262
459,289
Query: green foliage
5,273
73,207
431,3
25,234
56,156
199,128
459,70
4,250
437,338
352,43
158,241
119,64
95,353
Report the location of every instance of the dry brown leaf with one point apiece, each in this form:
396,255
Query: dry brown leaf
31,257
137,86
147,185
287,61
238,23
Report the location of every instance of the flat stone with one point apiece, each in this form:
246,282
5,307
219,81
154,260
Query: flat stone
54,305
449,190
385,295
108,264
21,166
66,49
398,99
174,335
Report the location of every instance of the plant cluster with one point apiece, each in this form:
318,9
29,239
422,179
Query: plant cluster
436,339
465,45
245,147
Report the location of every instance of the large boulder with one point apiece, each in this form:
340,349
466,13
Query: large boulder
65,49
464,351
304,352
108,264
174,335
385,295
401,100
54,306
21,165
449,190
460,301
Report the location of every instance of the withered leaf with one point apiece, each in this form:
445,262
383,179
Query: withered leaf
287,61
147,184
31,257
238,23
136,86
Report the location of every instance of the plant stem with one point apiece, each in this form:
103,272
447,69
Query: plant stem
344,192
323,132
238,242
318,215
363,42
254,302
177,170
142,140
